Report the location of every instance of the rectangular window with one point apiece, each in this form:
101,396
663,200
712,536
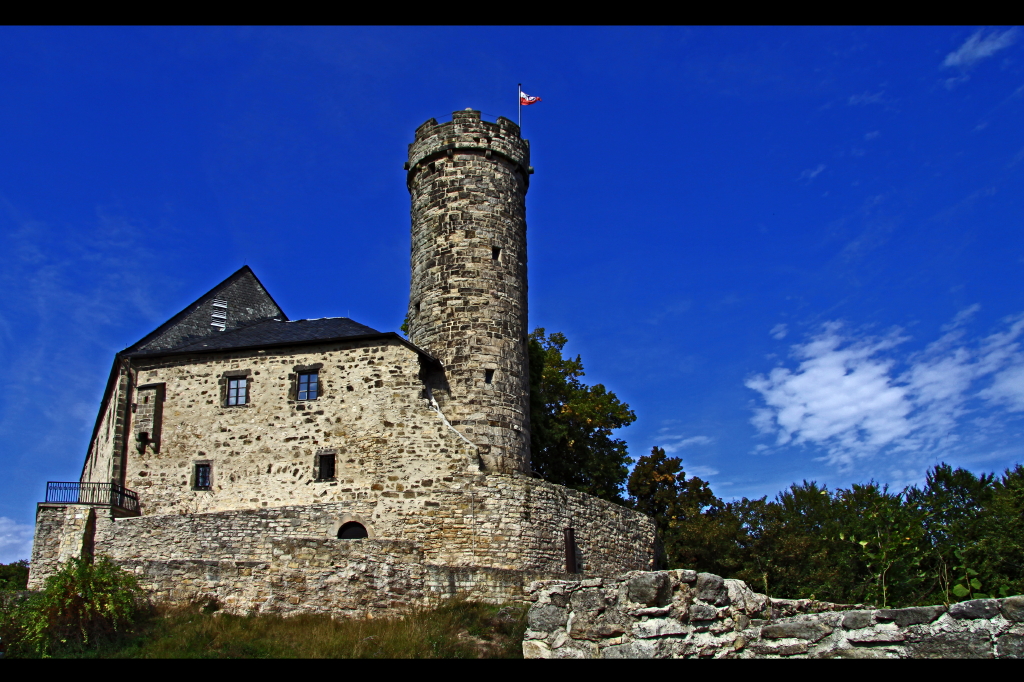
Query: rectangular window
325,470
309,386
238,391
202,477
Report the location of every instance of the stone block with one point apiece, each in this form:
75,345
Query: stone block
809,630
953,645
855,620
1012,608
910,616
652,589
975,608
547,618
711,589
658,627
1010,646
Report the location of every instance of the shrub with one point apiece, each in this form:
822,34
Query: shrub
81,605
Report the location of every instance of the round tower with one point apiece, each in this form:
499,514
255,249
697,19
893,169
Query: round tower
467,303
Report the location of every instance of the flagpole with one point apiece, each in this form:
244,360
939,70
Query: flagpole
520,108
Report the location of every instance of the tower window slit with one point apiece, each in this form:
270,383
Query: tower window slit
496,253
488,375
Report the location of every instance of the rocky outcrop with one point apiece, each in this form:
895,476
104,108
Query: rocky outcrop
685,614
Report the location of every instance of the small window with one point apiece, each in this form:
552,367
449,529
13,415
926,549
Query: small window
202,477
488,376
309,386
352,531
238,391
325,467
496,253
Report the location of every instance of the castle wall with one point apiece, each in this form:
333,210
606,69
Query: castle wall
468,296
685,614
497,522
388,442
62,532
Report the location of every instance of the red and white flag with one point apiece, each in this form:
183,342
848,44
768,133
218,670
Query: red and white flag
525,99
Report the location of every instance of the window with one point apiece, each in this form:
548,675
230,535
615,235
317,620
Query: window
202,478
325,467
488,376
309,386
238,391
352,531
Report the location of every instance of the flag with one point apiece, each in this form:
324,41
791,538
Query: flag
525,99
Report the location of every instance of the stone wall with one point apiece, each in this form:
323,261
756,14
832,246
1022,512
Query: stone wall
62,531
685,614
468,298
372,413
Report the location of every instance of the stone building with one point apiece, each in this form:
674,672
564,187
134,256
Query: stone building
321,465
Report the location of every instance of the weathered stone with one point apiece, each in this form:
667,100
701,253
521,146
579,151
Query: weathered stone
547,618
658,627
790,649
711,589
975,608
701,612
619,651
1010,646
534,648
1012,608
859,653
687,576
652,589
855,620
880,634
809,630
596,632
910,616
953,645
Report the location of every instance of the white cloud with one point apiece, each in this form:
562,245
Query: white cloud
980,46
811,173
779,331
848,396
700,471
675,442
15,541
872,135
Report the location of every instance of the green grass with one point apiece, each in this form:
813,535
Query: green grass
457,629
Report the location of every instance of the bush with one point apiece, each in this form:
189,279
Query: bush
82,605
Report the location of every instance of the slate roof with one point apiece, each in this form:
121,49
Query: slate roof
274,333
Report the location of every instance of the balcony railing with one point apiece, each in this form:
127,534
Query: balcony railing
106,494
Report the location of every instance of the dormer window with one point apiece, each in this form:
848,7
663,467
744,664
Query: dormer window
309,386
238,391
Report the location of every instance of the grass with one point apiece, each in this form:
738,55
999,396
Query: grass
457,629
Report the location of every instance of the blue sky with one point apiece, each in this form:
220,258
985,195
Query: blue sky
796,252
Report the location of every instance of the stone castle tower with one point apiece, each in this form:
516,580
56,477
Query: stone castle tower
467,304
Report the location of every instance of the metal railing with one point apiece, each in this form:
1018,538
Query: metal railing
106,494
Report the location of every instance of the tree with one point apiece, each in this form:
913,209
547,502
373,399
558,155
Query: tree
571,423
697,529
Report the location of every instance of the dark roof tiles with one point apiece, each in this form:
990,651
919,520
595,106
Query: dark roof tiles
276,333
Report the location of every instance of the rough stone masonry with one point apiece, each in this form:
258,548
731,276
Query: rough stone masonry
246,481
685,614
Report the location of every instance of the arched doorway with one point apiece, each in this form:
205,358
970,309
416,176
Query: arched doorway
352,531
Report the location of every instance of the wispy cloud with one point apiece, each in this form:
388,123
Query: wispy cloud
674,442
855,396
872,135
779,331
980,46
866,98
811,173
15,541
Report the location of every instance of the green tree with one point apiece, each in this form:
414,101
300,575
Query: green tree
14,576
571,424
697,529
